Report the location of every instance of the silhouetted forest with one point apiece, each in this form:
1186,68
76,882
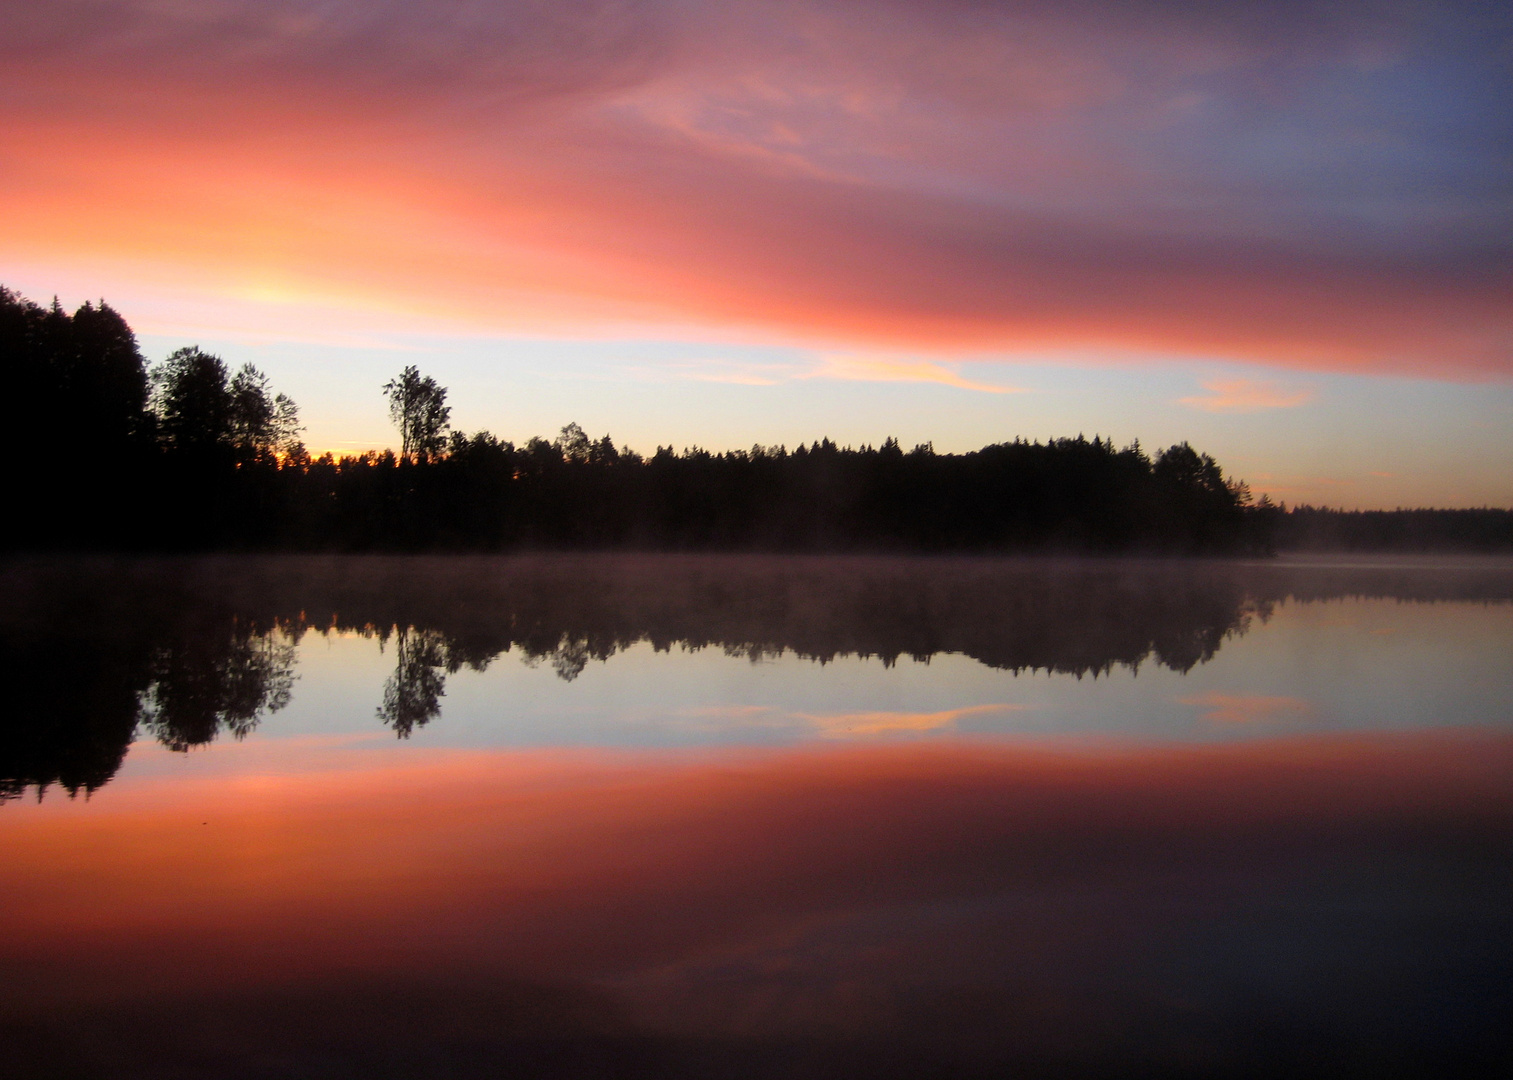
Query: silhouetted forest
97,652
1317,528
189,455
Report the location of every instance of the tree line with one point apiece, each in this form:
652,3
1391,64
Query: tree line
1321,528
188,454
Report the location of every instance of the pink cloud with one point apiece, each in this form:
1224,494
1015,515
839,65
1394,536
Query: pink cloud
1246,396
883,176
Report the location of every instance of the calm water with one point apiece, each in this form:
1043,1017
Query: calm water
756,817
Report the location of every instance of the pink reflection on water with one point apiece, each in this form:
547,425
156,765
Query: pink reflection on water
1059,898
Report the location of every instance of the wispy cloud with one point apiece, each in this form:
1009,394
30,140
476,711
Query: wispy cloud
850,725
727,712
1247,396
861,368
1295,488
1247,708
840,367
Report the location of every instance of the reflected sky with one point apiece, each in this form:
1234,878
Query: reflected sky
686,652
734,817
880,907
1347,665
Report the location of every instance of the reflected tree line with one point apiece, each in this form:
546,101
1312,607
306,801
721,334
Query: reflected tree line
80,696
99,652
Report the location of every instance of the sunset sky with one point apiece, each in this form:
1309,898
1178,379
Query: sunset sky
1280,229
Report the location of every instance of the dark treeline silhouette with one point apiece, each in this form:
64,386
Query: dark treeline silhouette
189,455
482,493
96,652
1317,528
117,456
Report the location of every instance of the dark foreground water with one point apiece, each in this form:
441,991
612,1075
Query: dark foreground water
742,817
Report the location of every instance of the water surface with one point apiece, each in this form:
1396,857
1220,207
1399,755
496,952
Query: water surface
715,816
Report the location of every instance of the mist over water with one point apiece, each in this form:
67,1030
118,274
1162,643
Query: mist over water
745,816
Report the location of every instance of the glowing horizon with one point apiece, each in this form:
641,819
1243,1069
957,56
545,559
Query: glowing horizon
1303,209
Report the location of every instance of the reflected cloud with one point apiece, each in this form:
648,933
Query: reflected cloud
1248,708
728,712
842,725
863,724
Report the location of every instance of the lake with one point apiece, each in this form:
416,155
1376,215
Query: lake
743,816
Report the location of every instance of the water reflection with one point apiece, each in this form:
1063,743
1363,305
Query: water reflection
412,695
1303,902
959,909
220,680
79,692
189,650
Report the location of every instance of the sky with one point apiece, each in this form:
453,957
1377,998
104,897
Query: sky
1279,229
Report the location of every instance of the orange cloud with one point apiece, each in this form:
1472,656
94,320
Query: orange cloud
842,367
1246,396
907,179
863,724
890,369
